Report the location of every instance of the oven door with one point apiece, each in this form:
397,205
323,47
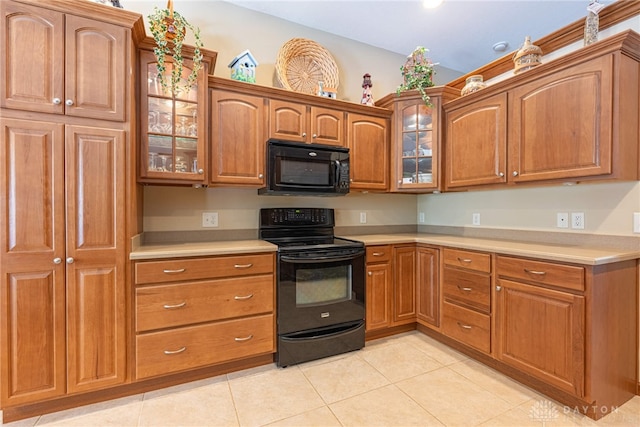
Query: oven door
316,290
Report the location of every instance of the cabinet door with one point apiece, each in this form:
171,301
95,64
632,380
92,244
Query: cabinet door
95,69
378,296
172,125
32,70
32,283
368,142
416,148
428,285
541,332
327,126
288,121
404,286
237,138
560,126
476,143
95,187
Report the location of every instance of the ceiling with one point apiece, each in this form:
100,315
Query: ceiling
459,34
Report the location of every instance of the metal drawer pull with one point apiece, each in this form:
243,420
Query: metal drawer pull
244,339
170,307
243,265
239,298
467,260
378,254
170,352
465,289
179,270
537,273
464,326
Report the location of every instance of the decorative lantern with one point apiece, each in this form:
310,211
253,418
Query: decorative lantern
529,56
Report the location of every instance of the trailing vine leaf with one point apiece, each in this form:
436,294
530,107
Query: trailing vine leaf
417,72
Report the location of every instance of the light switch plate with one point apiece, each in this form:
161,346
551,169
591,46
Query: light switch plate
475,219
562,220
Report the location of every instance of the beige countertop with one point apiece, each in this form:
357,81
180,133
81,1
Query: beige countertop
553,252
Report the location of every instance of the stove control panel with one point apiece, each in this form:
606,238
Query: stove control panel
296,217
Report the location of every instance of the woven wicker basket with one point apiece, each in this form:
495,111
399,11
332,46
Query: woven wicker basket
302,63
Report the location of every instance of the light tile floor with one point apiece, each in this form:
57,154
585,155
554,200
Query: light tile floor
404,380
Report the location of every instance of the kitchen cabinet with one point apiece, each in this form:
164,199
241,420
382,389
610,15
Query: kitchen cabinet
368,142
378,287
173,139
62,63
404,284
573,119
427,286
63,259
292,121
416,131
238,137
466,293
195,312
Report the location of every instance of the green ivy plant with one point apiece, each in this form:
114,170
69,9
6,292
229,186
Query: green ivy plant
169,29
417,72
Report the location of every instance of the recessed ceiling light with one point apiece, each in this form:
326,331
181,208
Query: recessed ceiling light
430,4
500,46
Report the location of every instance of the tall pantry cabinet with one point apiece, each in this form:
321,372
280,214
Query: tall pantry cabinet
66,177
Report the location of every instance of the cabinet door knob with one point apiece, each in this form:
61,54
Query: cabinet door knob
399,181
57,101
200,171
370,273
515,173
260,176
498,288
304,134
70,260
69,102
57,260
501,174
314,136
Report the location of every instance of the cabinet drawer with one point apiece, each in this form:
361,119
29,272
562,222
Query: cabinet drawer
191,347
196,302
563,276
466,259
467,326
468,288
175,270
378,253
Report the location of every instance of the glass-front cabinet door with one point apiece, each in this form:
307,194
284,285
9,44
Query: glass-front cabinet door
416,133
172,124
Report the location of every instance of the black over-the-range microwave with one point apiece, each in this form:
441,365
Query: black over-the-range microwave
298,169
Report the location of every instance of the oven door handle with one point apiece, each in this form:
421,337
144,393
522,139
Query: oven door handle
296,260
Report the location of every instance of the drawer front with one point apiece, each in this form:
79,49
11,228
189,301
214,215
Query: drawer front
476,261
191,347
467,326
175,270
471,289
378,253
563,276
166,306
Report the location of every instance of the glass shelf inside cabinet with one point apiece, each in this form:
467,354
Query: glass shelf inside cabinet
172,125
417,145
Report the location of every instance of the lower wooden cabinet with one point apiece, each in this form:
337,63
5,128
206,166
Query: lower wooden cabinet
404,284
195,312
378,295
428,286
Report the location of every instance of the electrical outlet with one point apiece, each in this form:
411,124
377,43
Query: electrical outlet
475,219
636,222
421,217
577,220
363,217
562,220
209,219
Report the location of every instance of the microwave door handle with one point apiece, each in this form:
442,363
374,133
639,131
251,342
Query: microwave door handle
338,170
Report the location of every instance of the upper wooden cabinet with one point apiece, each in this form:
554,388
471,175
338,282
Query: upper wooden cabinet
416,139
299,122
573,119
173,132
63,64
368,142
238,138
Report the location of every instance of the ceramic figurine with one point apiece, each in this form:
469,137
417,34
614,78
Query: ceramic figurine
367,94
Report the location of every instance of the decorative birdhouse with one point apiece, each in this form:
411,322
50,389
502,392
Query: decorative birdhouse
243,67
